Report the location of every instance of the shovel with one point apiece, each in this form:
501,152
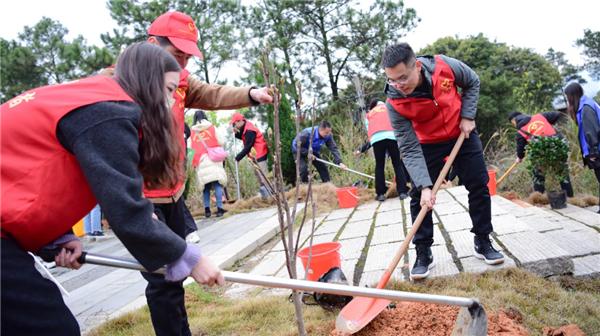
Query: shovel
266,281
506,174
471,320
350,170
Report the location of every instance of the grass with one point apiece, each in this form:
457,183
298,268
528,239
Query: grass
542,303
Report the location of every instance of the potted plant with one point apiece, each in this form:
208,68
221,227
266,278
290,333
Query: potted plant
549,156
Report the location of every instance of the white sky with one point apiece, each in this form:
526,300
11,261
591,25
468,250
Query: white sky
532,24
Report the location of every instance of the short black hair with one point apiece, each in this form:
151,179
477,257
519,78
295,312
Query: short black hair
373,103
398,53
513,115
325,124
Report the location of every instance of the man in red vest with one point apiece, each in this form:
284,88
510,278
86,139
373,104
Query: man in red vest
176,33
428,114
540,124
255,147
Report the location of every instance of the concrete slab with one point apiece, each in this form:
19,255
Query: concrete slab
352,248
537,253
456,222
438,239
348,267
379,256
360,215
389,217
444,196
390,204
387,234
332,226
443,263
372,205
328,237
462,241
339,213
581,215
577,243
356,229
541,224
587,267
370,279
506,224
270,264
448,208
474,265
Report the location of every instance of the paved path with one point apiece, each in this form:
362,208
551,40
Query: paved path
540,240
98,293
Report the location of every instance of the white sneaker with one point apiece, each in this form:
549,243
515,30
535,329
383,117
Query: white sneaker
193,238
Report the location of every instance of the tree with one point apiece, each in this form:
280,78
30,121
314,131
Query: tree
345,39
591,50
511,78
568,72
217,22
18,71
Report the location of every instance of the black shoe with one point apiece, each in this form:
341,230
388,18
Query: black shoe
423,263
221,212
484,250
207,212
380,198
98,234
403,196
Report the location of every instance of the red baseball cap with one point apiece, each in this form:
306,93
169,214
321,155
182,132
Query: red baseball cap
237,117
180,29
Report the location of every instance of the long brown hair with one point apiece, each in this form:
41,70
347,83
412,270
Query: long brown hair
140,72
573,93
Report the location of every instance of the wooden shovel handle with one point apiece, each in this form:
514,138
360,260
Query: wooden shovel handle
507,172
404,246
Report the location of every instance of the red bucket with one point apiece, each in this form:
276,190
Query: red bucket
347,197
324,257
492,183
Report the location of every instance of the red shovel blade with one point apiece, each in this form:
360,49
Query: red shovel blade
358,313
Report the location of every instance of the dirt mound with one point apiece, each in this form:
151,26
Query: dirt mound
419,319
566,330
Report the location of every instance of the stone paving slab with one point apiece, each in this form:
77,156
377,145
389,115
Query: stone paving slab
458,190
540,223
352,248
373,205
581,215
387,234
380,256
270,264
475,265
370,279
348,267
444,196
507,224
537,253
587,267
448,208
443,263
356,229
576,243
332,226
360,215
390,204
456,222
388,218
339,213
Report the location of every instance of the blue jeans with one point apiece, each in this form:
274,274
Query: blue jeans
218,194
92,222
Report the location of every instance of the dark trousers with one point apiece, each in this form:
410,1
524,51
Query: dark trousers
166,299
190,223
539,181
380,149
30,303
321,168
472,172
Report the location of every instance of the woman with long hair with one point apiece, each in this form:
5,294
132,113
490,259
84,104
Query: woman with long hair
67,147
586,113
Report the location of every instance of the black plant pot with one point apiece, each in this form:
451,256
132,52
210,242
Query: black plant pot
558,199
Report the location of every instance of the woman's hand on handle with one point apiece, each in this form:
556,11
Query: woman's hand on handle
207,273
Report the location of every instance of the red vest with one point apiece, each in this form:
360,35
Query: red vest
434,120
179,115
260,148
538,125
379,120
209,136
44,192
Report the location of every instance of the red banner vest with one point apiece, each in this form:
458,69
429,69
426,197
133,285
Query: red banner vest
379,120
209,136
537,126
260,148
438,119
179,116
44,192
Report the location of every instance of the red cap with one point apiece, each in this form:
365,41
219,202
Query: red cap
237,117
180,29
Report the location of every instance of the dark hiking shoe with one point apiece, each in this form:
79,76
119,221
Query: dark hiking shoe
403,196
486,251
423,263
380,198
221,212
207,212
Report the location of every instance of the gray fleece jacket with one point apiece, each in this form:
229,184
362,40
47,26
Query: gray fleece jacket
410,148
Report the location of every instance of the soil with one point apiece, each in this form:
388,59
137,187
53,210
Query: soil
419,319
566,330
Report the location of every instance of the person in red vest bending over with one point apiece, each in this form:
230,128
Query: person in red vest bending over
383,141
176,33
540,124
95,140
428,114
255,147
